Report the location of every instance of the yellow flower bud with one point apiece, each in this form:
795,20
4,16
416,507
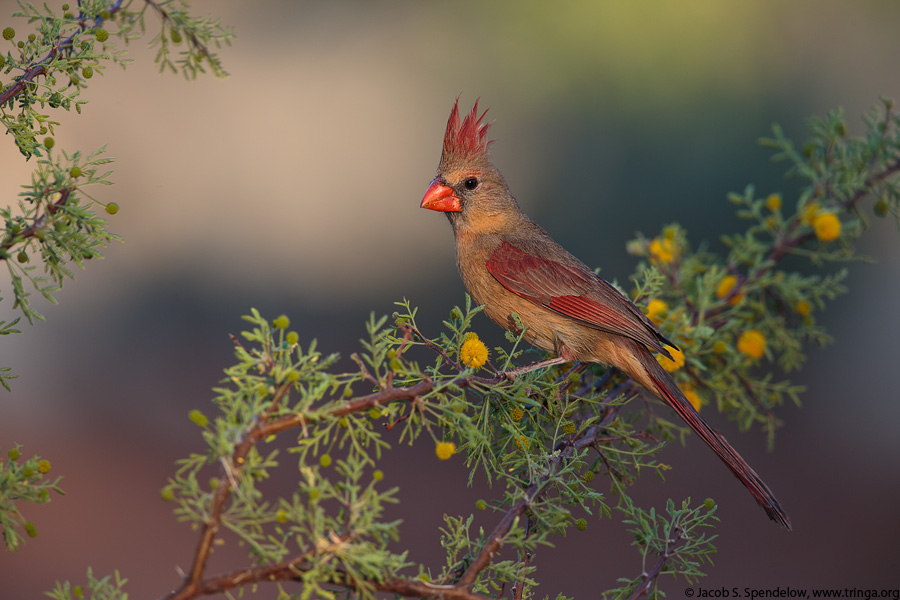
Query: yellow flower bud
827,227
662,250
654,308
809,212
473,353
724,288
803,308
752,343
690,392
671,365
444,450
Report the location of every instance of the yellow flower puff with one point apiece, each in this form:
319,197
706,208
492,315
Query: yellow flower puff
671,365
690,392
724,288
444,450
827,227
654,308
752,343
809,212
773,202
473,353
803,308
662,250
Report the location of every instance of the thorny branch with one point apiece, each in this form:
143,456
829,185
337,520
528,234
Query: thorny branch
196,585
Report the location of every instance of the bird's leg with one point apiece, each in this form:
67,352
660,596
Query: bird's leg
513,373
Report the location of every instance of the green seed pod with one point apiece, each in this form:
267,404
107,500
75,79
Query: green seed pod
198,418
30,529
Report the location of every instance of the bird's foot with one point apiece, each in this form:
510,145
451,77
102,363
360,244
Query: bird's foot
512,374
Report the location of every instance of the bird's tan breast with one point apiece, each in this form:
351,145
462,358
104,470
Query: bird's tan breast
499,302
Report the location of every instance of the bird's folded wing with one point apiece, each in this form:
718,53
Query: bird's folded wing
574,292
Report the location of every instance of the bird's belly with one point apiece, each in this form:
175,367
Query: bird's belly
500,304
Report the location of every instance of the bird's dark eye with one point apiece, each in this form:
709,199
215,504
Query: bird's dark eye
471,183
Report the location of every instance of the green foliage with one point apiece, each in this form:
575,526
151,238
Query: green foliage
54,224
108,588
676,543
70,47
708,317
22,481
330,531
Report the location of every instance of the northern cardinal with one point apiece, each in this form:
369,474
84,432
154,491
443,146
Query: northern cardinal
510,265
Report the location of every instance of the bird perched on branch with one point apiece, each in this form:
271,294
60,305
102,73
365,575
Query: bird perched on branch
511,265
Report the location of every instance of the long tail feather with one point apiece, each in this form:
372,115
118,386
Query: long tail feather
669,392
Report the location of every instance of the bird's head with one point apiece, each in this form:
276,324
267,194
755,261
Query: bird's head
467,186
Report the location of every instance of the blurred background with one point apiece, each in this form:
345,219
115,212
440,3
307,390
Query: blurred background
294,186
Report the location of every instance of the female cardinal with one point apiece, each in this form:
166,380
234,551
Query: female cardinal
510,265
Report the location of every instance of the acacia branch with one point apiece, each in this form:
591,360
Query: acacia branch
195,585
650,577
31,231
40,67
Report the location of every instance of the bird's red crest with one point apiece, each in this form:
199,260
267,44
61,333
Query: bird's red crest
468,137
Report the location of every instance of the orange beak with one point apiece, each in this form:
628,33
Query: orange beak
440,197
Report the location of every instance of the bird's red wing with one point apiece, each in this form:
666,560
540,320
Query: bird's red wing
574,292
